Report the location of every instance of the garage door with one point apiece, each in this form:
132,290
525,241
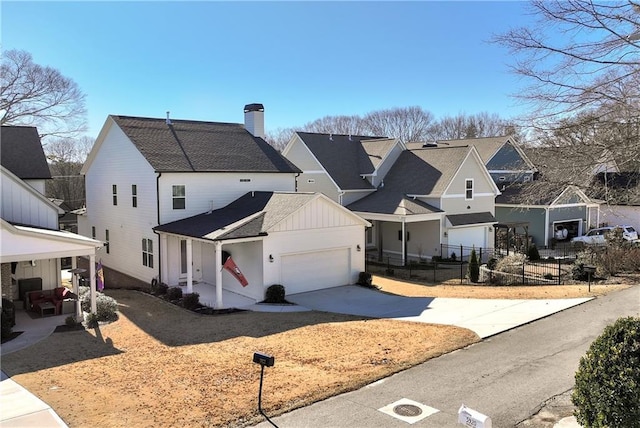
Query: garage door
467,237
316,270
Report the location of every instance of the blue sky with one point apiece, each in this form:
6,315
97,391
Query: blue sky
303,60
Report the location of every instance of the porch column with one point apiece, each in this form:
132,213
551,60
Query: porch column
189,266
164,264
218,264
92,282
75,286
404,243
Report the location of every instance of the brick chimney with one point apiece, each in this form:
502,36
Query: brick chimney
254,119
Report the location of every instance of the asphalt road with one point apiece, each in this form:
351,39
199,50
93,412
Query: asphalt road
506,377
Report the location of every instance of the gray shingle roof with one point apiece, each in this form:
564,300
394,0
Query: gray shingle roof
346,157
271,207
471,218
487,147
416,172
187,145
21,152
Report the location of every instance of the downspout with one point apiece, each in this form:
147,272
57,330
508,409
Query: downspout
160,278
404,243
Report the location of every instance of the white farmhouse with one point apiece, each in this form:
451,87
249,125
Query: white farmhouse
170,197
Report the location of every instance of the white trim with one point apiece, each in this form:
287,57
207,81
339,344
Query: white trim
459,195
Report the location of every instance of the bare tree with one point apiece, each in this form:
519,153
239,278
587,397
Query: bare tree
39,96
406,123
595,51
478,125
66,157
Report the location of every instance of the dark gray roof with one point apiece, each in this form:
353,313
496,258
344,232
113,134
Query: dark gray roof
188,145
21,152
345,157
270,207
425,172
471,218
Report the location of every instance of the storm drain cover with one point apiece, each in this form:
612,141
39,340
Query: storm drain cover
408,410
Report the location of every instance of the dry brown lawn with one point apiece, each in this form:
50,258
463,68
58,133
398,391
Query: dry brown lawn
160,365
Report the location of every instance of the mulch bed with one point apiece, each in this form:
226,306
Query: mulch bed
11,336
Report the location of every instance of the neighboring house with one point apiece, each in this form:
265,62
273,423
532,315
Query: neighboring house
68,219
502,156
559,215
623,190
419,200
160,190
556,216
32,243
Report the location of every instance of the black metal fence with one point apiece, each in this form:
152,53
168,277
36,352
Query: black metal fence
514,270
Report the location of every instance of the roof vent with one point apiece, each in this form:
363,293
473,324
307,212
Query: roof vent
168,120
428,144
350,137
330,137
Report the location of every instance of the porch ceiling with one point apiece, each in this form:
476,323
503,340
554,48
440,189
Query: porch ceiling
22,243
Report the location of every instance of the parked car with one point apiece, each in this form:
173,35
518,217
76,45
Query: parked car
599,236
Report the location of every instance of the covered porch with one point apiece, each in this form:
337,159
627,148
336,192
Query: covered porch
29,246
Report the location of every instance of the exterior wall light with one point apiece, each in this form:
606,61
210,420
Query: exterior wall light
358,248
270,258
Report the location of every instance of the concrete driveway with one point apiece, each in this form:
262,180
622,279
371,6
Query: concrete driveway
486,317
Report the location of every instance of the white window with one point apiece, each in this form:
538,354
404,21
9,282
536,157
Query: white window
106,239
134,195
114,189
147,252
468,189
179,199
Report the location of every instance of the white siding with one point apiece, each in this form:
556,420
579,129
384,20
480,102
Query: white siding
119,162
281,244
38,185
318,214
218,189
453,201
23,204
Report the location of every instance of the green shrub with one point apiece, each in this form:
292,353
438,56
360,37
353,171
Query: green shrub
174,293
91,321
608,378
70,321
533,253
275,294
474,267
161,289
548,276
492,263
106,307
436,259
453,256
191,301
365,279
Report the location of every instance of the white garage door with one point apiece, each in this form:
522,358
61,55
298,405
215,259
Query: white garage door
468,237
316,270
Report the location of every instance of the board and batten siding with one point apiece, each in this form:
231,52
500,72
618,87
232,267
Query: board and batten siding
119,162
214,190
24,205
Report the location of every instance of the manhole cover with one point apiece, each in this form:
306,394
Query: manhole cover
407,410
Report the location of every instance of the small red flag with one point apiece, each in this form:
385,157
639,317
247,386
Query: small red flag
233,269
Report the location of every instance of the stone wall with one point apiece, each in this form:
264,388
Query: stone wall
9,290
